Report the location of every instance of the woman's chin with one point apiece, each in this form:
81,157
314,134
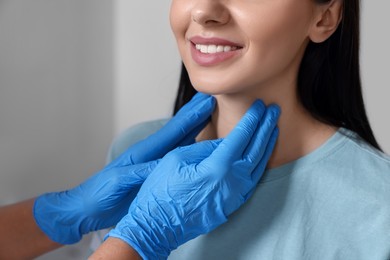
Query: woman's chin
214,90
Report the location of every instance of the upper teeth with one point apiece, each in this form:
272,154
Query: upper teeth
214,48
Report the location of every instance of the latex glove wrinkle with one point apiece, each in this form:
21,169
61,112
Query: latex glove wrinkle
103,199
195,188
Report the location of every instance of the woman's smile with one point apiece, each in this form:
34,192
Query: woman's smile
213,51
234,46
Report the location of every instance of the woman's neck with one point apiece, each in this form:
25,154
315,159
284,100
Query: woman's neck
299,132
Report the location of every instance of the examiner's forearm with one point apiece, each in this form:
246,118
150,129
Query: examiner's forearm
21,238
114,248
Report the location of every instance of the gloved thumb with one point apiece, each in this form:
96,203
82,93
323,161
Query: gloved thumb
195,153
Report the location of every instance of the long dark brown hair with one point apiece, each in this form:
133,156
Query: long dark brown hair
329,84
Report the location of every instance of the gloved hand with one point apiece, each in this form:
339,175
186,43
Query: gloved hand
193,189
179,131
103,199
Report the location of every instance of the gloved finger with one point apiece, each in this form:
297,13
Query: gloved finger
135,175
192,116
260,168
190,138
193,103
190,119
195,153
258,172
255,150
233,146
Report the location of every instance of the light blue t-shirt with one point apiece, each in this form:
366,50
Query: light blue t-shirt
333,203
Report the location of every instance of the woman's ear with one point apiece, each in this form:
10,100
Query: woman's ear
327,21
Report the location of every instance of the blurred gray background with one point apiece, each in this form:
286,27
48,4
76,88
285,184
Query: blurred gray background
75,73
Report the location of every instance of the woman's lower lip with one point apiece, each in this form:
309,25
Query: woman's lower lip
210,59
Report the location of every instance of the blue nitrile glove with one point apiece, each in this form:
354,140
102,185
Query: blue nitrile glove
179,131
103,199
194,188
100,202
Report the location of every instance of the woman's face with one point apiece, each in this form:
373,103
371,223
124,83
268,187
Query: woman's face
229,46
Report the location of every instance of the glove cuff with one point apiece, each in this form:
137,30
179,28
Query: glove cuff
150,240
56,219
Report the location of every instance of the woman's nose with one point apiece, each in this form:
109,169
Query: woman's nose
210,13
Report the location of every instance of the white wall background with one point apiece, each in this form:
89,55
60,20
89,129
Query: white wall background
56,99
56,94
75,73
147,64
375,67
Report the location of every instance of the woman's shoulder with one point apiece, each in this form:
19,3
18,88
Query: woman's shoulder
361,166
364,155
132,135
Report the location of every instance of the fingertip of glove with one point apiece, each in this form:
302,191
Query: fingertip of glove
275,110
200,95
256,111
258,105
203,100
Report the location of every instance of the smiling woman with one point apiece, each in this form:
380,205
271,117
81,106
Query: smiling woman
323,195
327,175
263,41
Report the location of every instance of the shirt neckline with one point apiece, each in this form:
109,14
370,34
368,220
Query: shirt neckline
328,147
